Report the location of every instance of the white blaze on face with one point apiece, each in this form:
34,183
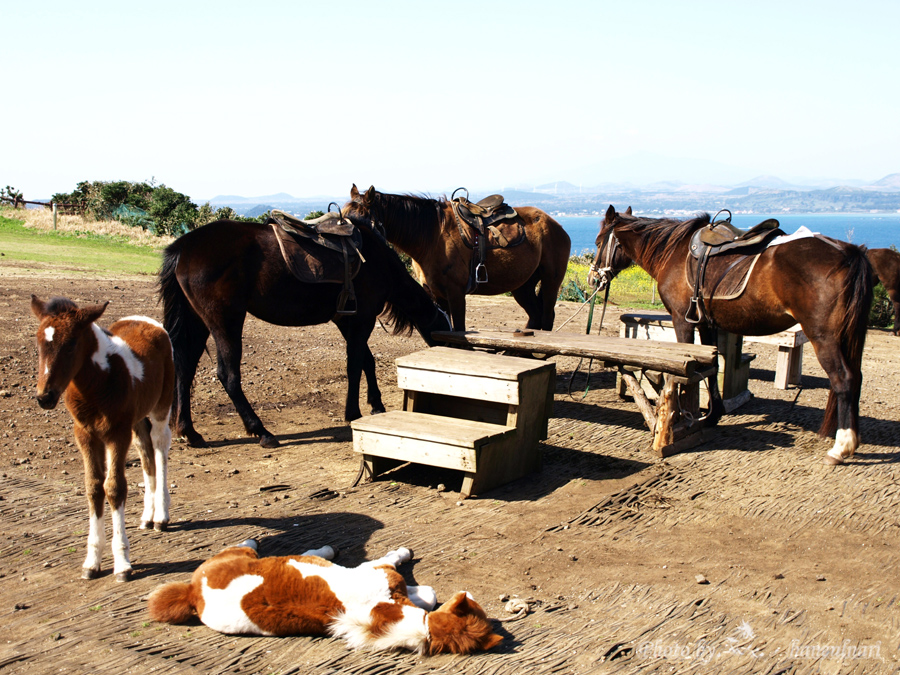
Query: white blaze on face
48,333
108,345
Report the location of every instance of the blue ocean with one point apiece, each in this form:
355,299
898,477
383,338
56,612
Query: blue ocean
875,230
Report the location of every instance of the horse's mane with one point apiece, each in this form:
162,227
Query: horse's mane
402,323
660,237
58,305
412,220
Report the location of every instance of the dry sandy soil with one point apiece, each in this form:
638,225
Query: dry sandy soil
605,543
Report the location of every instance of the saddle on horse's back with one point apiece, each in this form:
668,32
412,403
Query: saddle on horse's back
734,252
492,223
322,250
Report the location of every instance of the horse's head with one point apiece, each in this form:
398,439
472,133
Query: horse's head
365,206
460,626
610,258
61,344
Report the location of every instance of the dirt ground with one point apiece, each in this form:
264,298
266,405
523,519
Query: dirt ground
605,543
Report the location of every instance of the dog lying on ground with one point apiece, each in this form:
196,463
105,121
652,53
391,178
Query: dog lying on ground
370,606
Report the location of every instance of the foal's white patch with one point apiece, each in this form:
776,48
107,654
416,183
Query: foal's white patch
845,444
352,586
145,319
48,333
222,606
411,632
108,345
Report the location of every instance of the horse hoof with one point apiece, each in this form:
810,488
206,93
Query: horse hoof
89,573
830,460
122,577
269,441
195,440
378,411
250,543
146,524
161,526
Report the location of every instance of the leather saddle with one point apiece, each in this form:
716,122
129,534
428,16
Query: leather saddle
322,250
735,246
488,223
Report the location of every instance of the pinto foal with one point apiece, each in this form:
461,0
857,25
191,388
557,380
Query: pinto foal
116,382
370,606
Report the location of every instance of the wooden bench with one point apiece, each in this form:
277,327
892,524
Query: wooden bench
478,413
674,421
789,366
734,365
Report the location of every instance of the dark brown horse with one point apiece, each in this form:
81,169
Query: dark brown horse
213,276
427,231
824,285
886,264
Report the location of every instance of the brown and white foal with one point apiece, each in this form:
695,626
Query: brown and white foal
117,382
370,606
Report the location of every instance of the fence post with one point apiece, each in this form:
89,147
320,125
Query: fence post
54,215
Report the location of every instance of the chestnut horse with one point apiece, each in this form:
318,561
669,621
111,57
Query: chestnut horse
886,265
213,276
370,606
427,231
823,284
116,382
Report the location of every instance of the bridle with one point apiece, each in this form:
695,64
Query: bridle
601,276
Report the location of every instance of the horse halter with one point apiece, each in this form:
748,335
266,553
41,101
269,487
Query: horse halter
604,275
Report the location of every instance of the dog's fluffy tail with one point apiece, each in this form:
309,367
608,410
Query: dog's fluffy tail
172,603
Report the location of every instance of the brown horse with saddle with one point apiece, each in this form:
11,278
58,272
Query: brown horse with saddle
712,275
461,247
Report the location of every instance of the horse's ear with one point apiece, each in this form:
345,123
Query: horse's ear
458,604
91,313
370,193
38,306
628,211
610,213
354,193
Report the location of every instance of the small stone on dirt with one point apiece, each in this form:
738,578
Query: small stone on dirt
701,579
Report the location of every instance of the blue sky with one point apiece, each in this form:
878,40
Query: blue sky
309,97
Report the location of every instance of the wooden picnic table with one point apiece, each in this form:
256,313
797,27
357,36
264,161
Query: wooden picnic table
675,419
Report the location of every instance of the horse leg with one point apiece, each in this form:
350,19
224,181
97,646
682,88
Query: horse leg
161,436
530,302
843,386
456,307
228,356
685,334
392,558
896,303
116,488
422,597
94,457
326,552
187,357
148,466
359,358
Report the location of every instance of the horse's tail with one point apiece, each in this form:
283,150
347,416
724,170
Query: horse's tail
856,296
172,603
179,318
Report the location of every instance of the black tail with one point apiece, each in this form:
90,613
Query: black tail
856,296
180,320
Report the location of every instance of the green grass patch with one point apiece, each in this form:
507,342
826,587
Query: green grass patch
632,287
77,251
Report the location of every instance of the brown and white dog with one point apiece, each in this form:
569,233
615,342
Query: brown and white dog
370,606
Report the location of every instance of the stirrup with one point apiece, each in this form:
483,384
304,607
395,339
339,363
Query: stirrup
692,315
481,276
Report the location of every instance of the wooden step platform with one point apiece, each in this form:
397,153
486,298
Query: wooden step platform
479,413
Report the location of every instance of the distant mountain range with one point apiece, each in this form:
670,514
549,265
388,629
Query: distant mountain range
763,194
